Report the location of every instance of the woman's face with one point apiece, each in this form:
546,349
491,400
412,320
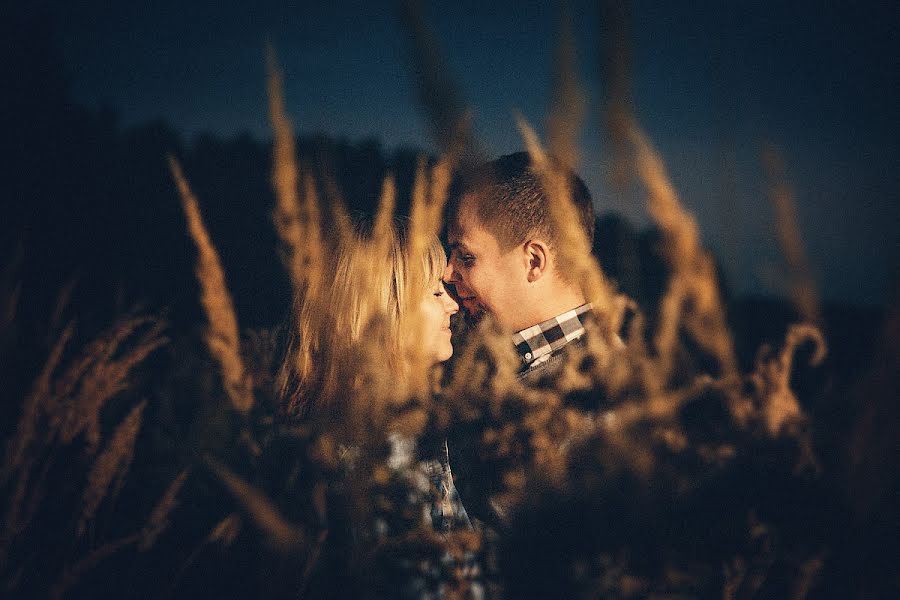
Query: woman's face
437,306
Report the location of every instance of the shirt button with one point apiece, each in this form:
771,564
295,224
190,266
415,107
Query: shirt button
528,356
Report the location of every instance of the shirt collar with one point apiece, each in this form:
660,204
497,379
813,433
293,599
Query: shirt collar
535,344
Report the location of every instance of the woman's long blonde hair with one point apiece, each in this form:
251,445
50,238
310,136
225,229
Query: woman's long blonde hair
365,304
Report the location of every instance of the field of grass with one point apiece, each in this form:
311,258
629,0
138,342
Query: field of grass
664,466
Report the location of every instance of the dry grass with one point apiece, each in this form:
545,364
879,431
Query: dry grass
772,378
566,119
222,336
101,373
692,300
34,407
437,89
574,247
111,464
61,419
616,421
159,518
296,212
801,285
260,508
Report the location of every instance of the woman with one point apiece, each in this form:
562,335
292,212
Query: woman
377,309
377,323
379,318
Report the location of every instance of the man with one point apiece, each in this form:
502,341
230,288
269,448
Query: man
504,260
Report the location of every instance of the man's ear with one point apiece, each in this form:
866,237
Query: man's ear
538,256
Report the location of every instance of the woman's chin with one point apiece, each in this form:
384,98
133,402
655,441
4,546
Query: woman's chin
443,354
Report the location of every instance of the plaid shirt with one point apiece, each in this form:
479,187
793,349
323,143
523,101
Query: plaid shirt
536,344
426,578
447,510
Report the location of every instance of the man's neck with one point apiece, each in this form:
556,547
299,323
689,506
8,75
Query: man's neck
550,306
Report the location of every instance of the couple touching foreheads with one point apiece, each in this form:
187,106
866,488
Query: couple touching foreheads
503,262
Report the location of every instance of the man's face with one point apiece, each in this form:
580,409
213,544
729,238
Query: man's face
485,278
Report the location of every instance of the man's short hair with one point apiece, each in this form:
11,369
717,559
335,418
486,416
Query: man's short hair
511,202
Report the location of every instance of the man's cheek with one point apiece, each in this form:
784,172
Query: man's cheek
471,305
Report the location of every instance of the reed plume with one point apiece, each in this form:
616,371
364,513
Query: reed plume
111,464
567,110
296,211
572,247
337,205
226,530
692,298
91,381
801,285
159,518
420,231
617,52
437,90
221,336
64,402
772,378
266,515
33,408
384,217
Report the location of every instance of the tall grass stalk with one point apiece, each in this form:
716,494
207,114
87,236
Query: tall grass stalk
101,373
772,377
438,91
264,513
159,518
692,299
573,248
222,337
801,285
111,464
296,212
34,407
568,107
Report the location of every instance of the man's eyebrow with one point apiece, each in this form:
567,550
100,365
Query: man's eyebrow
458,245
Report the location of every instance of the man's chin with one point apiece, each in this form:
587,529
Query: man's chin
473,317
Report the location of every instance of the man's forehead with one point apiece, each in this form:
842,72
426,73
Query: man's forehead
463,224
468,234
464,218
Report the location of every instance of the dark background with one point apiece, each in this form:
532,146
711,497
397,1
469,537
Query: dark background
711,83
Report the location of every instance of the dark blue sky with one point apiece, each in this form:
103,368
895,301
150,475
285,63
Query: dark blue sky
712,83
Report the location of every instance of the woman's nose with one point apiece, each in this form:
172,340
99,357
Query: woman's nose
451,307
